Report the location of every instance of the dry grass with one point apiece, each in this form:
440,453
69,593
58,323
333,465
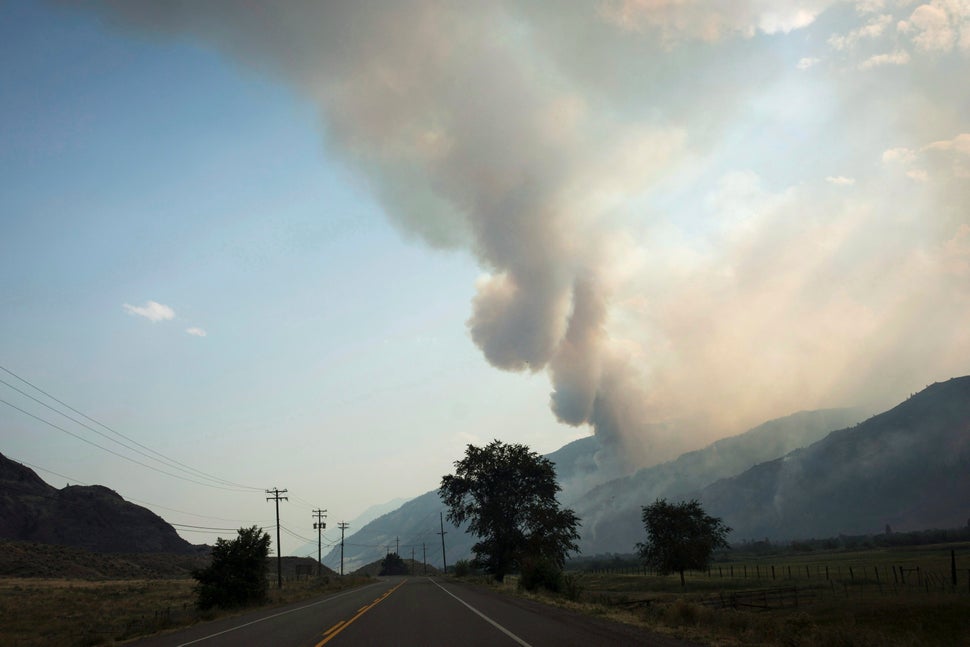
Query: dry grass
904,619
74,613
847,609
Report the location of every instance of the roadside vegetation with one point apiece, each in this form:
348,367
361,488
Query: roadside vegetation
50,612
507,494
737,602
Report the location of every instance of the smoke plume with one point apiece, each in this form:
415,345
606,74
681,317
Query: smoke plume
647,186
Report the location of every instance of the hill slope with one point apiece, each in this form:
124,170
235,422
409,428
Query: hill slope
908,467
92,517
611,512
417,523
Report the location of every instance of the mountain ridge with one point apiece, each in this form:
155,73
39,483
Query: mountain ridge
92,517
908,467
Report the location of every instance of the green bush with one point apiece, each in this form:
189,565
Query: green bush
572,586
237,575
541,573
463,568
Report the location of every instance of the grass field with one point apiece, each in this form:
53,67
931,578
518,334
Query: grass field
900,596
858,603
75,613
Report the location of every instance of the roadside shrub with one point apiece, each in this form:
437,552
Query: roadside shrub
237,574
541,573
463,568
572,586
682,613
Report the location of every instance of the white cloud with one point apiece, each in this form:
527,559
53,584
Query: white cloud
873,29
709,20
939,25
900,154
807,62
943,158
785,22
152,310
959,144
195,332
899,57
870,6
840,180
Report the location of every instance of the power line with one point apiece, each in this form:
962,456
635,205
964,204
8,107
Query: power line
111,451
303,501
107,437
443,532
276,492
182,525
343,526
319,525
145,503
294,534
43,469
163,458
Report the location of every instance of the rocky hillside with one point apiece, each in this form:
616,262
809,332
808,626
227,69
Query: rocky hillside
30,559
611,512
609,508
91,517
908,467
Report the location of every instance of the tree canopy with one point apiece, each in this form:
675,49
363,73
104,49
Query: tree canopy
507,493
680,536
392,564
237,574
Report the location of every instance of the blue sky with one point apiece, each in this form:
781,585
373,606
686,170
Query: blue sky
139,170
374,233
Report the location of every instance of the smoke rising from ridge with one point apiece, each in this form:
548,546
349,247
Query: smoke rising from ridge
645,186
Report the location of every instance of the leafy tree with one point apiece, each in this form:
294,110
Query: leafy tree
237,574
680,536
463,568
393,565
508,495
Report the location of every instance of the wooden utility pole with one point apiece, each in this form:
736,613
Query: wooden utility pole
319,525
397,546
411,570
343,526
276,492
424,557
444,560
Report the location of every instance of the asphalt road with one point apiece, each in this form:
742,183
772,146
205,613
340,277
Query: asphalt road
411,611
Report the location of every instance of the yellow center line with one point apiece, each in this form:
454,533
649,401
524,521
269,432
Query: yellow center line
333,628
340,626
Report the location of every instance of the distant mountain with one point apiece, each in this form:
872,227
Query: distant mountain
609,508
794,477
416,524
310,548
375,511
92,517
611,512
417,567
908,467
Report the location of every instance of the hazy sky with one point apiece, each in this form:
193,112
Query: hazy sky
322,246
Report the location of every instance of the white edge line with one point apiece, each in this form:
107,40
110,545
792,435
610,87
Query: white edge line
276,615
483,616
